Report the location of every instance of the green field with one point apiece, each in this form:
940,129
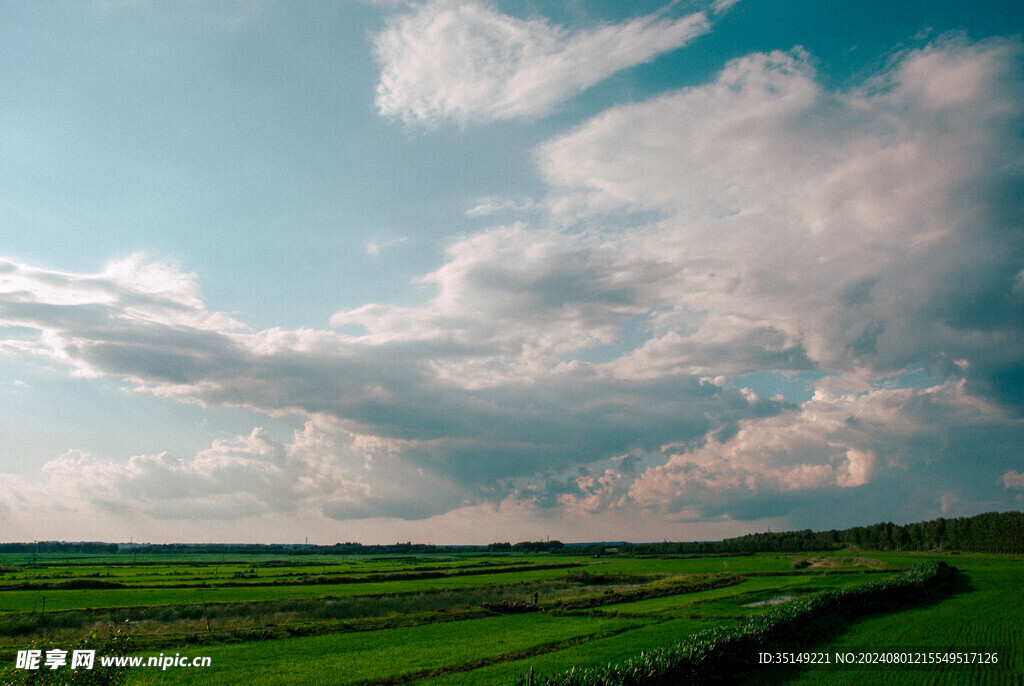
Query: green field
987,615
420,619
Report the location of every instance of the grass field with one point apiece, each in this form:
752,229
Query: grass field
987,615
420,619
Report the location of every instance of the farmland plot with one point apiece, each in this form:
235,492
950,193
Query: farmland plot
420,620
988,615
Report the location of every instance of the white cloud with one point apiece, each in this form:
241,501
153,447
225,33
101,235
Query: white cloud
465,394
1013,480
525,295
374,247
484,207
233,479
863,230
758,223
719,6
463,60
878,442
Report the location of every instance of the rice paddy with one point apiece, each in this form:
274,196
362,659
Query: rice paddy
422,619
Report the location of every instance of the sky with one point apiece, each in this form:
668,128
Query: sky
473,271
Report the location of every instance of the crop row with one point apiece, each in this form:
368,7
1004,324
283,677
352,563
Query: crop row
300,580
668,587
722,653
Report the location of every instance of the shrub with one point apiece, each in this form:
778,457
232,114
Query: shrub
510,606
118,642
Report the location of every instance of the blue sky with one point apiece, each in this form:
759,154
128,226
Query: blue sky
468,271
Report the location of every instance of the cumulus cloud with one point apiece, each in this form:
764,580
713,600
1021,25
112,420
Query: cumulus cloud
464,399
836,442
868,229
245,475
898,453
758,223
465,61
145,310
324,471
520,293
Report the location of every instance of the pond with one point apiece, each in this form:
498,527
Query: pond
777,600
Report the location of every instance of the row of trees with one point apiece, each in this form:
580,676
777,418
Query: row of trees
527,547
62,547
992,532
769,542
72,548
348,548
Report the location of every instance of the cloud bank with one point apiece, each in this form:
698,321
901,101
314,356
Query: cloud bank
588,363
862,231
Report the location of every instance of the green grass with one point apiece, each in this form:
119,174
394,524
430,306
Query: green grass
731,601
189,574
740,564
385,654
496,650
987,615
706,609
195,584
595,653
31,600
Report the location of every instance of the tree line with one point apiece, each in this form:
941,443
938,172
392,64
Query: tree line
992,532
62,547
527,547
